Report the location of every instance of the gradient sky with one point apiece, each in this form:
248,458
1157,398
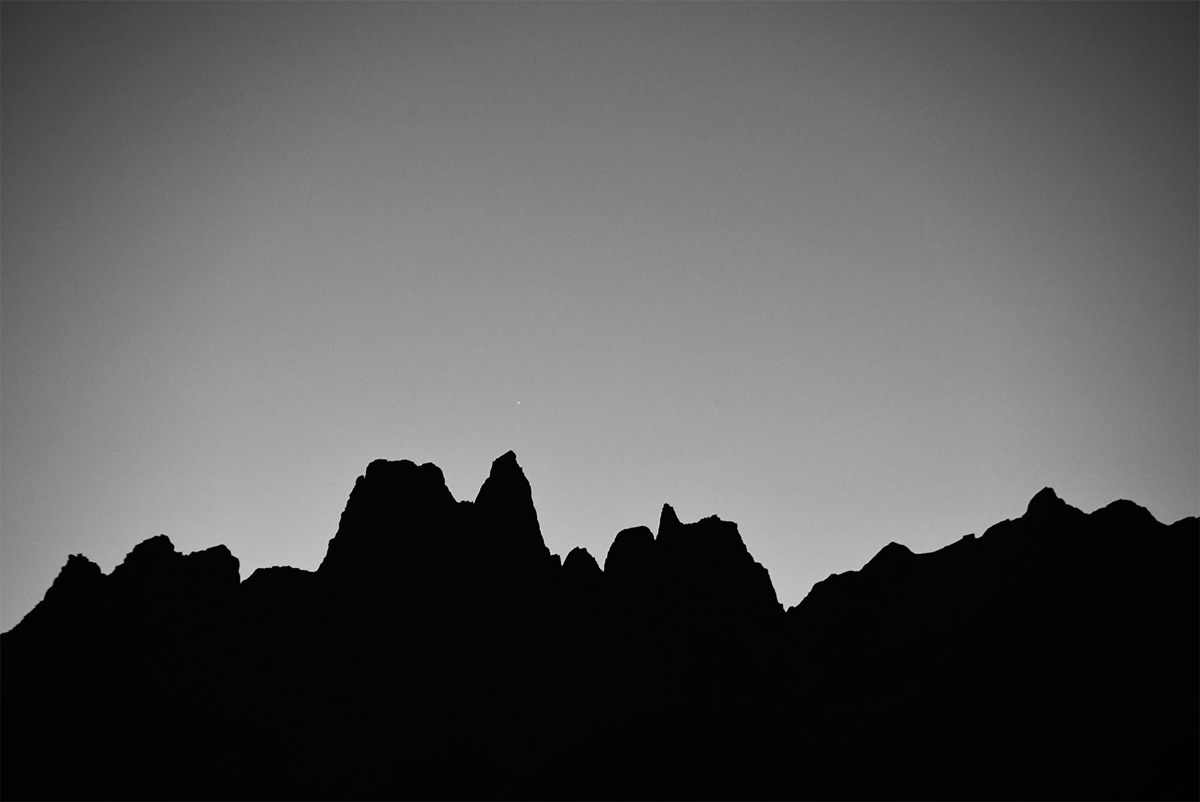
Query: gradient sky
843,273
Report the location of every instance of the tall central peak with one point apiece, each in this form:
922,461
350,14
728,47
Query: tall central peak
505,515
395,514
1046,502
507,491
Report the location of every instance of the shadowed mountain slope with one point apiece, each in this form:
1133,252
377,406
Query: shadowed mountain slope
441,651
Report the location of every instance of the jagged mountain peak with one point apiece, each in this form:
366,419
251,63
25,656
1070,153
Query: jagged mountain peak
891,555
395,512
506,487
1044,502
156,558
440,650
668,521
77,568
1124,512
73,590
506,522
580,562
147,555
427,475
708,538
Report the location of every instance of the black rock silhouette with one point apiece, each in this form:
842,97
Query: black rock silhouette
507,521
441,651
69,606
632,565
392,524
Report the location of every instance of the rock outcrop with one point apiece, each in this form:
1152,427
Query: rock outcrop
442,651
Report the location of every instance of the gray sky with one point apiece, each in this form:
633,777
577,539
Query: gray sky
842,273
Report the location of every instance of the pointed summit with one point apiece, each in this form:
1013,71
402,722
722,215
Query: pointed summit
507,486
506,518
707,563
893,554
668,522
75,592
580,565
78,570
148,558
1124,514
1046,501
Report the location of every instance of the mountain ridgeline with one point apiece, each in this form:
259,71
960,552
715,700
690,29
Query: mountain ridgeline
442,651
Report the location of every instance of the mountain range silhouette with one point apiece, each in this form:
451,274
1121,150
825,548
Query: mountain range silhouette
441,651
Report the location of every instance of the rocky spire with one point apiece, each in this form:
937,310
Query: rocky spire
1044,502
505,521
